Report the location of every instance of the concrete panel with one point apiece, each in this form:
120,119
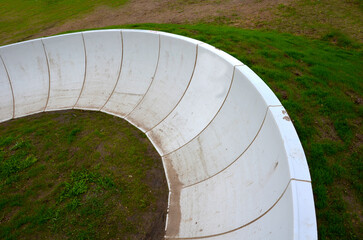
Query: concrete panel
206,93
305,224
297,163
104,55
140,58
66,57
175,69
27,67
282,221
6,95
252,184
244,109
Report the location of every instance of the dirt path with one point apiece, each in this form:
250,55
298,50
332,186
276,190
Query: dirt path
292,16
167,11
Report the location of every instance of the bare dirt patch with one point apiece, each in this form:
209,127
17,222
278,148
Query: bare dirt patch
294,16
167,11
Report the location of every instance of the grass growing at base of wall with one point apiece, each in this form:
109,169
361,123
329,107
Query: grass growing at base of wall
78,175
320,84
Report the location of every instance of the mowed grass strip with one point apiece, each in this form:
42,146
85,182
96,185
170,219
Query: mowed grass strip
79,175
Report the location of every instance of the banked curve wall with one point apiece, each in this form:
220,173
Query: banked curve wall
234,163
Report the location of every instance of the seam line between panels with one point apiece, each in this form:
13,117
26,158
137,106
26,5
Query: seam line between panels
186,89
11,85
249,145
119,71
215,115
131,94
46,57
85,70
249,223
151,82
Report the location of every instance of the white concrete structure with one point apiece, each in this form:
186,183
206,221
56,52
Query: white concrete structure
234,163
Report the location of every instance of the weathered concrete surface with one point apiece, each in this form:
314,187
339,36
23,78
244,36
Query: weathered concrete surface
234,163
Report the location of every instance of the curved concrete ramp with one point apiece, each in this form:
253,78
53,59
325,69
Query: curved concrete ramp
234,163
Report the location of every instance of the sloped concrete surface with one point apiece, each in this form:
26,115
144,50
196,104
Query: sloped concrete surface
234,163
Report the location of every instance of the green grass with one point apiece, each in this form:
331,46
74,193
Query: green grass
320,84
24,18
318,18
78,175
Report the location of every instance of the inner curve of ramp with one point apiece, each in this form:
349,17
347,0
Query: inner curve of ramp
234,163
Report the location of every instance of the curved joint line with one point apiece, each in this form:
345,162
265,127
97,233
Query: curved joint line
210,122
300,180
258,132
250,222
186,89
85,70
11,85
151,82
46,57
238,157
119,71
